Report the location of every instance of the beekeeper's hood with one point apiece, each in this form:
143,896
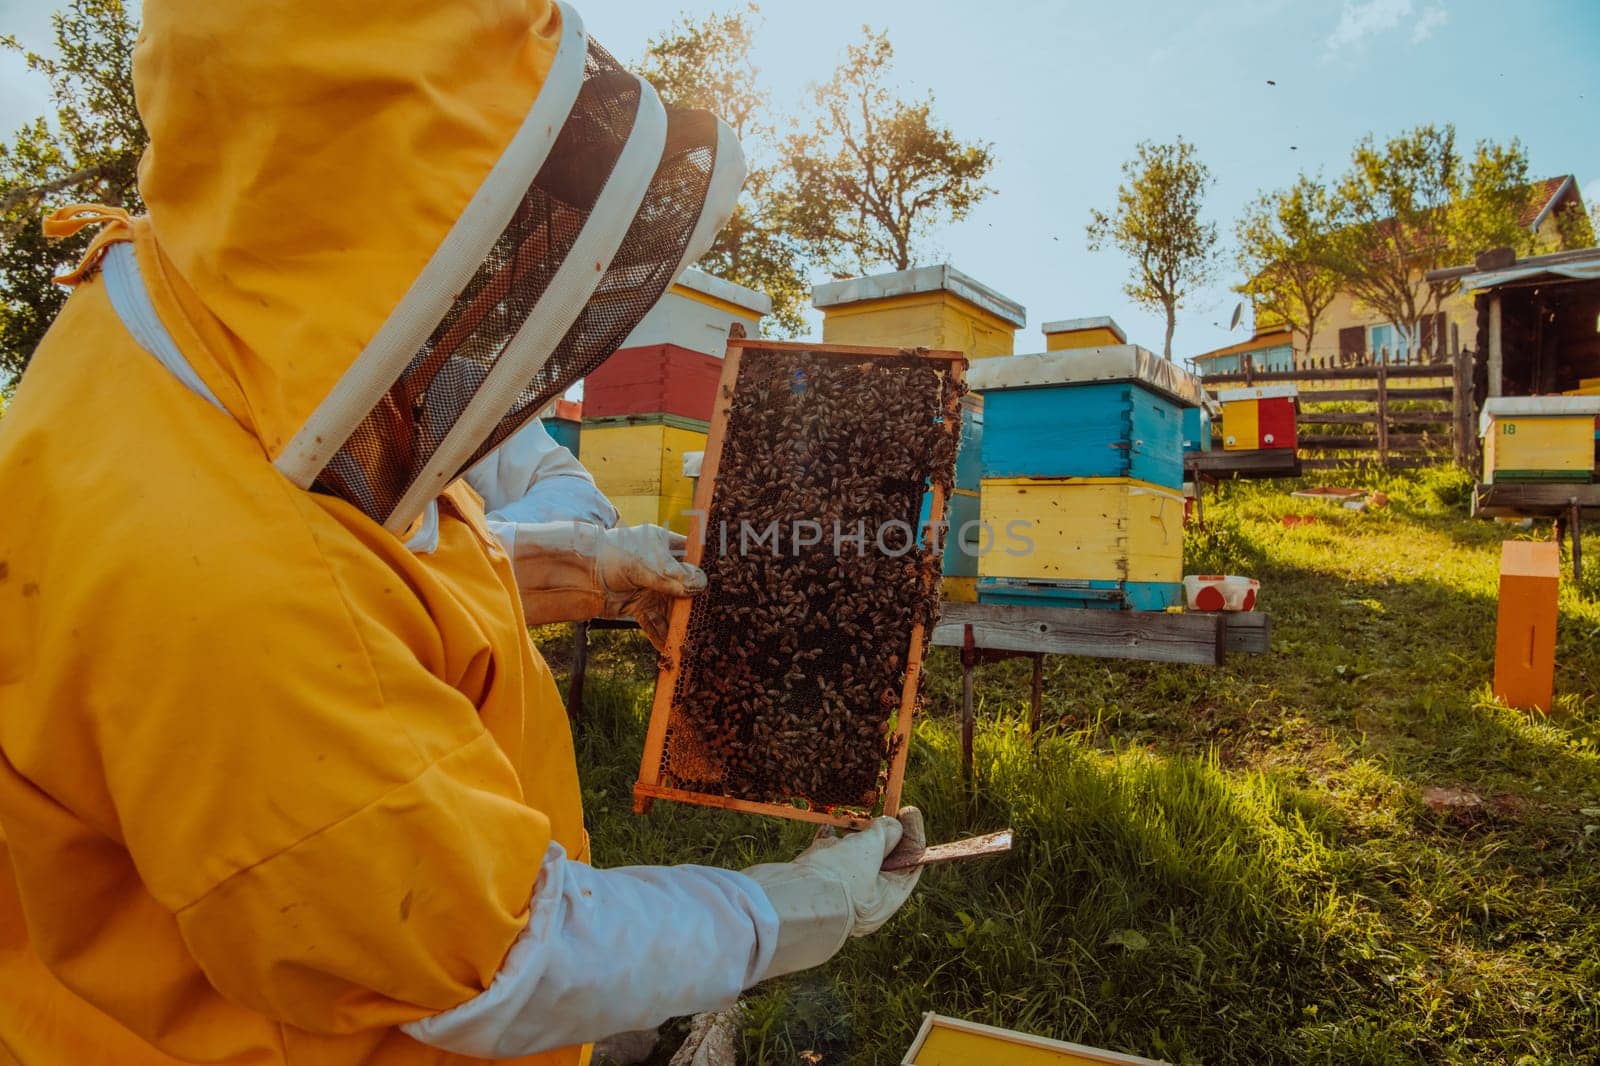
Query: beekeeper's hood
385,232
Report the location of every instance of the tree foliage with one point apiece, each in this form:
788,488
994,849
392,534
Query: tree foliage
1575,228
868,175
707,64
88,151
1416,204
1283,244
1157,224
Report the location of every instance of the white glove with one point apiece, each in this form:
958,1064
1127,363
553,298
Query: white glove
573,571
836,889
531,478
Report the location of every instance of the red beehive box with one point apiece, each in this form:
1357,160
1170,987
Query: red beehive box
654,379
1254,419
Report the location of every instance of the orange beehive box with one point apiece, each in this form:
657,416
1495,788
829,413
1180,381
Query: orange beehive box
1525,634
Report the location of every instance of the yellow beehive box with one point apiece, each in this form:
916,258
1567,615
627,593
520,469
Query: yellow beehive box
960,589
1082,529
641,455
1539,438
669,511
1073,333
931,307
951,1042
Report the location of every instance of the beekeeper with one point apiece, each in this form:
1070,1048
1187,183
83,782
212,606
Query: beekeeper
283,779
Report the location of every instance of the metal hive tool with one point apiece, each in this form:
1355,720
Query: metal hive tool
788,687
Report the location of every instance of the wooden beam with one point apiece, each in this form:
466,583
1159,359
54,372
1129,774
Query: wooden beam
1496,349
1443,392
1268,463
1463,425
1383,414
1362,418
1151,636
1248,632
1398,442
1396,462
1546,499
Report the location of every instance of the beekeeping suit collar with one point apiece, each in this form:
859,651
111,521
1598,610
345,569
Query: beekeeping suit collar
385,232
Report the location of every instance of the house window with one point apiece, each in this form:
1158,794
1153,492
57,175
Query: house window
1387,337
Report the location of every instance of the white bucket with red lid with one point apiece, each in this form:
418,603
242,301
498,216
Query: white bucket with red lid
1220,592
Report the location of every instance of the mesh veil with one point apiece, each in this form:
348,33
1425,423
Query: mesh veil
397,439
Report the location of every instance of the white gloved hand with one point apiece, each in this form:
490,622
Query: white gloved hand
837,889
573,571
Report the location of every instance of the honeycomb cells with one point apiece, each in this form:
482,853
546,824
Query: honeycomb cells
792,673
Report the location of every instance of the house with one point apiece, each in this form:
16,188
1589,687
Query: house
1272,349
1348,332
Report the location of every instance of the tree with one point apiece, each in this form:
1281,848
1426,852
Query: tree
89,152
1157,224
1575,228
1414,205
1284,238
869,175
707,65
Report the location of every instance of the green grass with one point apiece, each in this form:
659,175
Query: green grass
1224,865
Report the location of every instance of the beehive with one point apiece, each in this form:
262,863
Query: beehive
1073,333
697,312
789,685
1197,429
1525,624
961,562
637,461
930,307
654,379
651,400
960,537
1259,418
1082,542
1539,438
952,1042
969,460
1093,412
563,420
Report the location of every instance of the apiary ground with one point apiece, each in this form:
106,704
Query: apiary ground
1235,865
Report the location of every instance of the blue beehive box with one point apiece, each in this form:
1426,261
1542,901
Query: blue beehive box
565,432
1197,429
969,460
1115,411
1101,594
963,534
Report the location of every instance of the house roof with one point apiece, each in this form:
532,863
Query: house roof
1254,344
1547,196
1582,264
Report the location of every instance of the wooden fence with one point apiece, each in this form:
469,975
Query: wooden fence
1395,412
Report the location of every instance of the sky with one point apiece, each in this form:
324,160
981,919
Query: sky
1064,90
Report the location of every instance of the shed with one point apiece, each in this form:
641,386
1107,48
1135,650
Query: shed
1538,320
